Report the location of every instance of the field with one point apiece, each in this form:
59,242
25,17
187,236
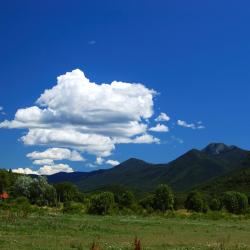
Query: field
60,231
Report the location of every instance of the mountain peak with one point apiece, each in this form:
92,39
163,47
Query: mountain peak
133,161
217,148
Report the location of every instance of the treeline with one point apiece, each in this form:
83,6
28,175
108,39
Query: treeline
25,191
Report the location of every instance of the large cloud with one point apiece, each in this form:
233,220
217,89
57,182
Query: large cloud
86,116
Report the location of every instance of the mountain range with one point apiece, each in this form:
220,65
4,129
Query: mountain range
195,168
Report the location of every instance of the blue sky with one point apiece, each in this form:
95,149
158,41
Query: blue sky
195,54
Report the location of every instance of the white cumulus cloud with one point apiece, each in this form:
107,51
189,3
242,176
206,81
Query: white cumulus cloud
24,171
159,128
163,117
45,170
85,116
113,162
56,154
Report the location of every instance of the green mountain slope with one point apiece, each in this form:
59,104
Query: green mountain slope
237,180
190,170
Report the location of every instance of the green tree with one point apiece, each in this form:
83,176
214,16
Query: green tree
215,204
235,202
66,191
50,196
22,186
147,202
37,190
195,202
102,203
125,199
163,198
4,180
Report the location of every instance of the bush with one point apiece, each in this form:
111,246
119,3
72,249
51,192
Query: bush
235,202
163,198
196,203
101,204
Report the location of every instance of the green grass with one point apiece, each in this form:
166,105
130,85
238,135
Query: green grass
60,231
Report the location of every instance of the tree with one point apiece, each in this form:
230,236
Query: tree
102,203
163,198
235,202
195,202
147,202
22,186
4,180
215,204
66,191
50,196
125,199
37,190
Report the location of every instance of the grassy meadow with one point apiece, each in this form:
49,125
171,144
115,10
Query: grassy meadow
54,231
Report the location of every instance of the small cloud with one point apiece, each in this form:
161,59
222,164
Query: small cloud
163,117
92,42
159,128
91,165
201,127
1,111
45,170
99,161
24,171
146,138
179,140
185,124
112,162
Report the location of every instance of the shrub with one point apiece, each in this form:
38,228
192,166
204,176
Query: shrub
163,198
102,203
195,202
235,202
